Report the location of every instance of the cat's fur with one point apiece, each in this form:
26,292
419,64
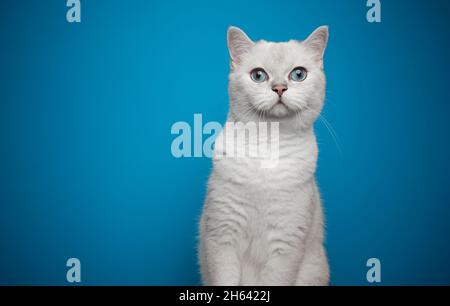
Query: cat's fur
264,226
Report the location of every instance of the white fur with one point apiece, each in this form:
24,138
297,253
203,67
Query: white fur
265,226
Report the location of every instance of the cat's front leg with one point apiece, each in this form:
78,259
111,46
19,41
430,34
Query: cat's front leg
223,264
314,269
280,269
286,247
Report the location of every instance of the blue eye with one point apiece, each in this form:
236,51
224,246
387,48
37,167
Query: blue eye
258,75
298,74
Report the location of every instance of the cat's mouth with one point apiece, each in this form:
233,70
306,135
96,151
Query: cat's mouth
279,109
282,103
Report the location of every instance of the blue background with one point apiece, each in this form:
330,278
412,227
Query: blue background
86,109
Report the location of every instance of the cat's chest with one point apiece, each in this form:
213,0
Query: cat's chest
286,169
275,222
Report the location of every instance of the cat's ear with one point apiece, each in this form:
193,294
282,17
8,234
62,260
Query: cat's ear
238,44
317,41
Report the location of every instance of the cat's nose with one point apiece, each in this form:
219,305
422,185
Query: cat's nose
279,89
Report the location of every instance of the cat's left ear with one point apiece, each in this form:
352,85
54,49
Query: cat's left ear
317,42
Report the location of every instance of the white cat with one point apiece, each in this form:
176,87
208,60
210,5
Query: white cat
264,226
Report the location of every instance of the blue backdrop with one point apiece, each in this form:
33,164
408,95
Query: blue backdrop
86,109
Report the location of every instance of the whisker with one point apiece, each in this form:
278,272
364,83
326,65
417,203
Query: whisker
329,127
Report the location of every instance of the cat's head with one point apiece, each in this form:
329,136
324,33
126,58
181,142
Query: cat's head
277,81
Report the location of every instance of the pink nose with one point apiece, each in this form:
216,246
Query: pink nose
279,89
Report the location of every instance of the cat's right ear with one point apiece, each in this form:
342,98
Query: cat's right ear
238,44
